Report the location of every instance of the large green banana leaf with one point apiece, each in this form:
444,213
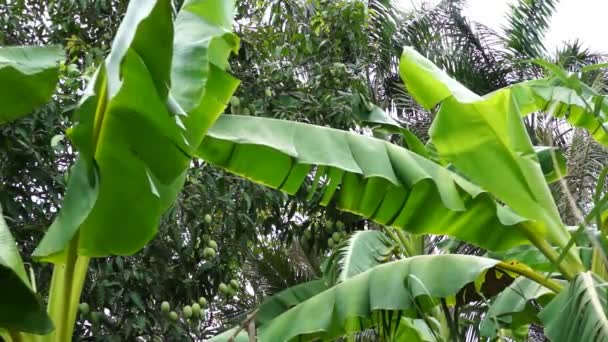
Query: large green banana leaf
379,119
415,330
20,308
578,313
231,335
485,139
202,44
134,131
566,97
527,255
276,305
78,200
364,175
512,307
352,305
364,250
286,299
28,75
553,163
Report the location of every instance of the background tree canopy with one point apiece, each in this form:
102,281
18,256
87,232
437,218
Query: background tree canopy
324,62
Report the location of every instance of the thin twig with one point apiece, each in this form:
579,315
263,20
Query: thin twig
245,324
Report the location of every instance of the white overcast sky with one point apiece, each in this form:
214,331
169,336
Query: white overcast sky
582,19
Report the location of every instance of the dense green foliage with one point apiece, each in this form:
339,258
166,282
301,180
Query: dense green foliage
344,242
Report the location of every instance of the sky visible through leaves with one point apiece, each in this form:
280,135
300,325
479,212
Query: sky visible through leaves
574,19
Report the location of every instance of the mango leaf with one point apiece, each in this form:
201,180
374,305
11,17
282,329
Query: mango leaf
485,139
578,313
133,134
363,175
351,305
28,75
364,250
515,301
21,307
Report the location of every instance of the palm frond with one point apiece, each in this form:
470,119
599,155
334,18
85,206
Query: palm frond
586,159
528,21
273,270
364,250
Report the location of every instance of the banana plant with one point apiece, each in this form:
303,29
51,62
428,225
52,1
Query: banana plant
400,298
25,72
155,103
141,118
489,156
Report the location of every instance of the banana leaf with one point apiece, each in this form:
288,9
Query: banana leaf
276,305
355,304
363,175
485,139
135,132
21,309
578,313
28,75
513,307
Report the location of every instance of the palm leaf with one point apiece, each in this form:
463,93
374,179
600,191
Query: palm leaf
528,22
27,72
586,159
273,270
363,175
578,313
363,251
